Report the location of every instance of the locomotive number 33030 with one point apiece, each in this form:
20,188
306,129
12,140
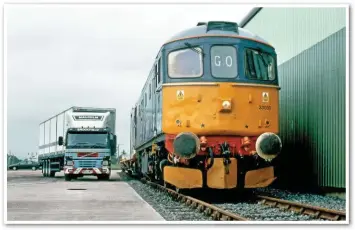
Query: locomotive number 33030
265,107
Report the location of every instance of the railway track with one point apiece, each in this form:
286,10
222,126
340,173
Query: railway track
314,211
209,209
221,214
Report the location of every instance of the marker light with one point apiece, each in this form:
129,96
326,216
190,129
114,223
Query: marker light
226,105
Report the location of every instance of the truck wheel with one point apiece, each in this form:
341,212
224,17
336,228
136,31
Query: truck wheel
45,168
67,178
52,174
103,177
49,170
33,168
14,168
106,177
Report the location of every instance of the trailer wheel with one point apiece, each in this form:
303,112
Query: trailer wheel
49,172
45,168
67,177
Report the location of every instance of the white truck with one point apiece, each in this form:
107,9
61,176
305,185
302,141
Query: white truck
80,141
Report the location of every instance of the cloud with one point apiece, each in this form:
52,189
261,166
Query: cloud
60,56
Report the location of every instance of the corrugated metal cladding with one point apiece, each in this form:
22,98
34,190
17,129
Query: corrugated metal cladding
292,30
312,111
311,44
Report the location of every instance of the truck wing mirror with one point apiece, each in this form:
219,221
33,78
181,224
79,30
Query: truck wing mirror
60,140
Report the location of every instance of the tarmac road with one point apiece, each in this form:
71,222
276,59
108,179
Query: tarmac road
32,197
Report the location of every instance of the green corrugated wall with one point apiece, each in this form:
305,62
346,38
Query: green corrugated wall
292,30
311,45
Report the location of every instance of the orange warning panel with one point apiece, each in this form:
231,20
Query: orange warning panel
259,178
183,177
220,176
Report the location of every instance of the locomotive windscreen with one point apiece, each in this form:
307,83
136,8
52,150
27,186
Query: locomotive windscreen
259,65
224,61
185,63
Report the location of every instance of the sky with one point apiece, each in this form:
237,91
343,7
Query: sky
60,56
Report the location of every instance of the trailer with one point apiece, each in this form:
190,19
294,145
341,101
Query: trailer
80,141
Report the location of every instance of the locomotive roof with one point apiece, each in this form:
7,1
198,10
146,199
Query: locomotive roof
216,28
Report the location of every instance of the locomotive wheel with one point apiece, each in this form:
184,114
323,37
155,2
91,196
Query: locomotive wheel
167,185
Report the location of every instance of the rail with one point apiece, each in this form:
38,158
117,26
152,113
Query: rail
209,209
315,211
223,215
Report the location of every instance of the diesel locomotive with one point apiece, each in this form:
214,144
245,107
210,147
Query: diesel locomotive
208,114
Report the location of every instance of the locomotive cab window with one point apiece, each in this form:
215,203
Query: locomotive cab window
150,91
157,72
259,65
185,63
141,107
224,61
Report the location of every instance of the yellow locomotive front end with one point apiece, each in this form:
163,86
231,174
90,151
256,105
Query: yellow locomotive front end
220,108
220,112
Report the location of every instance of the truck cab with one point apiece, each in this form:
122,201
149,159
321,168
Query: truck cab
88,143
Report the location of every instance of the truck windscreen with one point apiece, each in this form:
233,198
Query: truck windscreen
87,140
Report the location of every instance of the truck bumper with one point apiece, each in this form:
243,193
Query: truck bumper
86,171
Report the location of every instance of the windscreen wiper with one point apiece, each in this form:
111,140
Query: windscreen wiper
194,49
98,145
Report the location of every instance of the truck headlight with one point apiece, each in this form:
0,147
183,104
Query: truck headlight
70,163
104,163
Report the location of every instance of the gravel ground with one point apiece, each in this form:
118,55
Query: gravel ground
172,210
329,202
260,212
175,211
169,209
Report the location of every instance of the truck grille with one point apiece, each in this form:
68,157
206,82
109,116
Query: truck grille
86,164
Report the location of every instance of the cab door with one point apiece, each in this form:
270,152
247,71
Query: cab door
157,96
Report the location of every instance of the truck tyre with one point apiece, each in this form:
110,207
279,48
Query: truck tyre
106,177
52,174
49,172
33,168
45,168
67,177
103,177
14,168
